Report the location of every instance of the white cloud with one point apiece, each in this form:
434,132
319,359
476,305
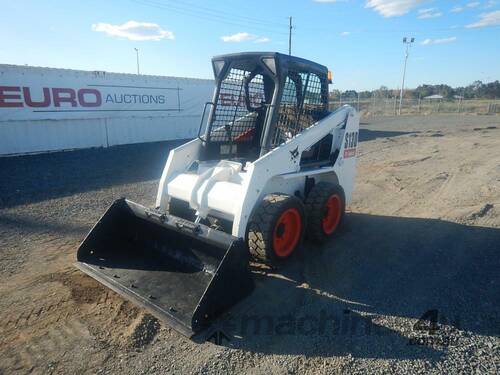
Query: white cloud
392,8
429,13
473,4
245,37
262,40
486,19
345,33
133,30
239,37
490,4
428,42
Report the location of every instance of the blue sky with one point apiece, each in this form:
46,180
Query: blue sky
457,42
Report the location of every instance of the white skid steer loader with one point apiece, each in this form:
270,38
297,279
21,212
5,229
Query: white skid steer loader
271,166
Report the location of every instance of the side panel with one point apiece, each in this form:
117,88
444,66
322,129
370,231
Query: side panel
285,186
345,167
285,159
179,159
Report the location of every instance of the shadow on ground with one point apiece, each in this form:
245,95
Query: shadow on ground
369,135
30,225
35,178
330,299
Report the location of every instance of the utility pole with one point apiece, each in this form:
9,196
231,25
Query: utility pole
461,99
408,42
290,27
137,57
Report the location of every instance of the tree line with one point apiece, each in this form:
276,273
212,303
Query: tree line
476,90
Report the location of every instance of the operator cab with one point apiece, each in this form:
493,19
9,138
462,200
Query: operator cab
261,100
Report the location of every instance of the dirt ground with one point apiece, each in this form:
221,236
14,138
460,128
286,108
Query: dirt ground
421,239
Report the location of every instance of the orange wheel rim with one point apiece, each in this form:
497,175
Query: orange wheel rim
331,219
287,232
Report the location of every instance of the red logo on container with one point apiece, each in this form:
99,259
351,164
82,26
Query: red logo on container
18,97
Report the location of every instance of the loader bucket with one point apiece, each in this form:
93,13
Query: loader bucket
184,273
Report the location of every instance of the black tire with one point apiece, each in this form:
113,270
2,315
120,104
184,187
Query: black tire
264,221
316,208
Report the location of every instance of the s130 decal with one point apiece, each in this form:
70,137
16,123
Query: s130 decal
350,144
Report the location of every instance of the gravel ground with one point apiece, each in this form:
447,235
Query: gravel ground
421,240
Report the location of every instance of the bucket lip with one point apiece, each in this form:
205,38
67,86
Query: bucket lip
129,294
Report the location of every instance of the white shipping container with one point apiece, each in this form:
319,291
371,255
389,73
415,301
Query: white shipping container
45,109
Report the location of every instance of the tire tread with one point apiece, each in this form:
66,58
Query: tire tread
315,205
261,225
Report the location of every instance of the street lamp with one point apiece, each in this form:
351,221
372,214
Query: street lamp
408,42
137,56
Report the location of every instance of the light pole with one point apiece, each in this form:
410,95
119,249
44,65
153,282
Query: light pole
408,42
137,57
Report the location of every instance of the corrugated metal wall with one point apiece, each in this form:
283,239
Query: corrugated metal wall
43,109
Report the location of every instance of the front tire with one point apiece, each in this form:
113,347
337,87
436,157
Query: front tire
276,228
325,206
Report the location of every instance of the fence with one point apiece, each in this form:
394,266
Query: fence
390,106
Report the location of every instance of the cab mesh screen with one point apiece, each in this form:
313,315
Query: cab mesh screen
303,102
233,122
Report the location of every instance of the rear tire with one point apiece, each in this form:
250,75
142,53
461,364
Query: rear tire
325,207
276,228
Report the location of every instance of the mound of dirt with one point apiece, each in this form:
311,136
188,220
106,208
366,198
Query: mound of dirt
141,332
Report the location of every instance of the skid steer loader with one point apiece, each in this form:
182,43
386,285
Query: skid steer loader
270,166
